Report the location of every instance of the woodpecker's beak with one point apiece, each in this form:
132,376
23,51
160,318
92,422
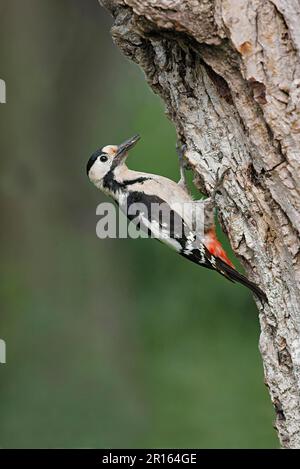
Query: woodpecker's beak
124,148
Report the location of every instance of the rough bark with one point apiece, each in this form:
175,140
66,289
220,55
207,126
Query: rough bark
228,72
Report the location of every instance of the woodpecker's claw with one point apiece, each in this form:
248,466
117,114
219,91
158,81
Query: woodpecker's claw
181,149
210,202
219,183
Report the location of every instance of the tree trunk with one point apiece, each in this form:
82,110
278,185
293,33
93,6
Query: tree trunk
228,72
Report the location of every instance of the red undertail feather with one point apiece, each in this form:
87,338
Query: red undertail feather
215,247
225,266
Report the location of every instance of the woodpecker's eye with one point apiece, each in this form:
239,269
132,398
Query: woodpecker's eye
103,158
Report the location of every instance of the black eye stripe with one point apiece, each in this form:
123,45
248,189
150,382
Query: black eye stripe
103,158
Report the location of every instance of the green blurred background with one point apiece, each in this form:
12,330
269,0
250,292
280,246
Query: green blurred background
110,343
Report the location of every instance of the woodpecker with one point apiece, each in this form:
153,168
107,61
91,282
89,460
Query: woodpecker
107,170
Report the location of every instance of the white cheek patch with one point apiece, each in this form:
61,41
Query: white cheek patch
93,176
110,149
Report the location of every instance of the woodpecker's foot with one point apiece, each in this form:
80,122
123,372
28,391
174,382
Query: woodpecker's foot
209,204
219,184
181,149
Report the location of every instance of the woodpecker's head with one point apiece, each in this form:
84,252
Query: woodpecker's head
106,159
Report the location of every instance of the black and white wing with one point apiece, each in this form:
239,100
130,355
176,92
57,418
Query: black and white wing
156,218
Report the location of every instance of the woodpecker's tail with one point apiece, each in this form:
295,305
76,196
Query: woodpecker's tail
233,275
